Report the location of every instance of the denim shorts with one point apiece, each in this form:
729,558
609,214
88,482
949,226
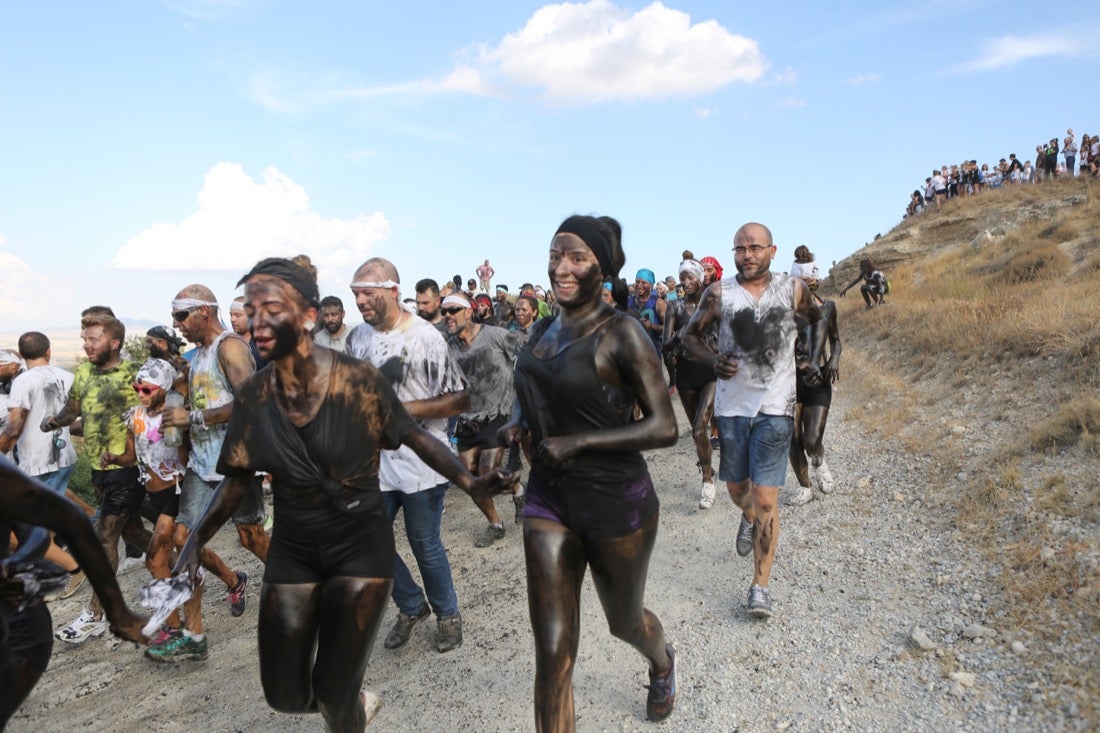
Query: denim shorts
195,496
754,448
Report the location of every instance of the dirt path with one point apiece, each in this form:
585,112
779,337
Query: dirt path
856,571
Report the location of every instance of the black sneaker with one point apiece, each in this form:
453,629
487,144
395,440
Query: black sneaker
662,691
491,534
402,628
744,537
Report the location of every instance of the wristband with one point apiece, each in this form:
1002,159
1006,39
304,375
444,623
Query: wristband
198,419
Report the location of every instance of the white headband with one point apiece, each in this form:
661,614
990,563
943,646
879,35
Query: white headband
183,304
693,267
236,305
370,284
455,300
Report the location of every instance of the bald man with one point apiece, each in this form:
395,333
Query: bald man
412,354
755,394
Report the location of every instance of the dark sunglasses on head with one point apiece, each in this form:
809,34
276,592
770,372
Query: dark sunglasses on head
451,311
145,389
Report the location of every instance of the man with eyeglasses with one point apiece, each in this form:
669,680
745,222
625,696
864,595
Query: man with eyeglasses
222,361
413,356
101,394
755,395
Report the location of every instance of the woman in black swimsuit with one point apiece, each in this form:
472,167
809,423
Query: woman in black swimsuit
591,502
316,420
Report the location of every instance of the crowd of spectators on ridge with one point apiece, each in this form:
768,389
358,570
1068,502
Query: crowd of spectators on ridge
967,179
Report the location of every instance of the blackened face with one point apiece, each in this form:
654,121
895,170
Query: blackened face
98,346
574,270
689,283
276,316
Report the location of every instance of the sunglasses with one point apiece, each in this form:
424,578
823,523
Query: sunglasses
451,311
144,389
181,316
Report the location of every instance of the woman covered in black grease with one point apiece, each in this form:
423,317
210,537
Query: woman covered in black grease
316,420
590,500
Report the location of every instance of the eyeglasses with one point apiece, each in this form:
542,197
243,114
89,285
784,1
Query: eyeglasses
181,316
451,311
145,389
754,249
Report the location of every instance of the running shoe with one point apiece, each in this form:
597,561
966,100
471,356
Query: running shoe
662,691
127,564
164,633
86,626
177,648
804,496
824,478
491,534
706,496
236,595
448,633
403,626
75,583
744,537
714,442
760,603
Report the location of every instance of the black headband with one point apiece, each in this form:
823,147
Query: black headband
585,228
289,272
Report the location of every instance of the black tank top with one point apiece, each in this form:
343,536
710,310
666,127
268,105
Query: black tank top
563,395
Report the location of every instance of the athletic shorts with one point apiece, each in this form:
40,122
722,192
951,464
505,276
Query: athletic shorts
485,437
196,495
591,511
819,396
119,491
166,502
754,448
692,376
312,545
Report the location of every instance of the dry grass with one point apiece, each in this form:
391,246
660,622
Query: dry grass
1003,337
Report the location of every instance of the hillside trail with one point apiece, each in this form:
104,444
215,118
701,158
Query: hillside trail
856,571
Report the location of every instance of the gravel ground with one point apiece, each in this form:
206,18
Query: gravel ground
863,578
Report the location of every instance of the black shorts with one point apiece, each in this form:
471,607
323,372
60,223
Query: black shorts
166,502
595,511
479,434
312,545
820,396
692,376
119,491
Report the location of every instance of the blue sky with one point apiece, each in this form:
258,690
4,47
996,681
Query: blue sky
147,145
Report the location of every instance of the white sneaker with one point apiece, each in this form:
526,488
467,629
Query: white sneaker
824,478
371,703
706,497
127,564
85,627
804,496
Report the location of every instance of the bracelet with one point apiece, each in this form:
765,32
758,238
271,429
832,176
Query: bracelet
198,419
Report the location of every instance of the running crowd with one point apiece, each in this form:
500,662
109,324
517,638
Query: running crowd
967,179
437,387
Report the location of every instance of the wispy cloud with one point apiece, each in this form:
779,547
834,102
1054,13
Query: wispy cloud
24,292
207,10
239,220
1008,51
704,113
791,103
788,77
861,79
566,53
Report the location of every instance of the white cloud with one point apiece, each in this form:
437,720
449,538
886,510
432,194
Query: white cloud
1007,51
240,221
791,103
860,79
704,113
24,292
596,51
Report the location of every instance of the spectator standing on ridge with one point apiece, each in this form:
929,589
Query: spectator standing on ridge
485,274
1069,150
